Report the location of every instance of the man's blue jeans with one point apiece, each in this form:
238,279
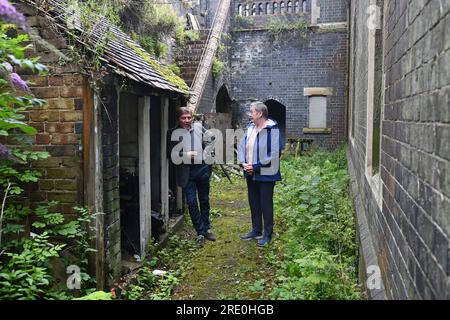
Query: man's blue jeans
198,183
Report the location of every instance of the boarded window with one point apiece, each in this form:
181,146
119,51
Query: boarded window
317,112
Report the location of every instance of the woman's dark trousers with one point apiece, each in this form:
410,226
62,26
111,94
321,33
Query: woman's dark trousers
260,198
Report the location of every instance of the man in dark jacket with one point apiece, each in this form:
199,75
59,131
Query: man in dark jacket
188,144
259,154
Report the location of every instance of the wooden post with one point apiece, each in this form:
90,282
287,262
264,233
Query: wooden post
93,176
145,195
164,160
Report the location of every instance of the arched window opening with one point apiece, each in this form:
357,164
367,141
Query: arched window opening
254,9
260,9
297,7
282,8
275,8
304,6
289,7
239,10
268,8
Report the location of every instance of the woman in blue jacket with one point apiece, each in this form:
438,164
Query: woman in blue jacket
259,154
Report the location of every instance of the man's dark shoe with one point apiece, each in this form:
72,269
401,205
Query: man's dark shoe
210,236
200,240
263,242
251,235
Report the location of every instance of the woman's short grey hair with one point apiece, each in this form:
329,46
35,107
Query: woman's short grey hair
260,107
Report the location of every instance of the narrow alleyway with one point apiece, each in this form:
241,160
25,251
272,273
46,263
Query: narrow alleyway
313,254
227,268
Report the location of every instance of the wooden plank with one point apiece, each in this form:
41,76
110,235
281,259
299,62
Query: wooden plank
145,200
88,109
164,160
96,189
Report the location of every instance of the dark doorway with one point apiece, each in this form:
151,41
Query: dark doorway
223,101
173,209
277,112
129,176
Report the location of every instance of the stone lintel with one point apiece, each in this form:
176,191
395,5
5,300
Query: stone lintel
317,130
318,91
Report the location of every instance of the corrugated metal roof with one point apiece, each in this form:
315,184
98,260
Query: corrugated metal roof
121,54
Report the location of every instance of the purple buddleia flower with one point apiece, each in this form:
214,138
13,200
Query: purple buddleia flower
9,14
4,152
17,81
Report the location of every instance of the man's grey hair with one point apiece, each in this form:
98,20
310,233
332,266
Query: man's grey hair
183,110
260,107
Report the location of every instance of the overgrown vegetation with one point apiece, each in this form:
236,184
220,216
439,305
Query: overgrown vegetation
277,26
152,24
217,68
172,262
31,240
166,72
316,254
280,28
312,256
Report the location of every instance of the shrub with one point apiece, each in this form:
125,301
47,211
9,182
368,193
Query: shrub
217,68
317,253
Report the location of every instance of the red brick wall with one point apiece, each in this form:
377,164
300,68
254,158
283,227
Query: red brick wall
59,123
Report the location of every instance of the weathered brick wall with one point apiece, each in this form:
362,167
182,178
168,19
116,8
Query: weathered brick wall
263,68
59,123
411,229
332,10
60,128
